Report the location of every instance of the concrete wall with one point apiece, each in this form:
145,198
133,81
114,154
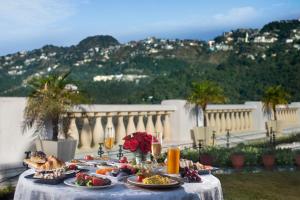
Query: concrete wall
13,143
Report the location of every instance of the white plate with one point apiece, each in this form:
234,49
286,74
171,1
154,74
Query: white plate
71,182
132,180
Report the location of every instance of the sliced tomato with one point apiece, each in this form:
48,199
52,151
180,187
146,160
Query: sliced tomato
140,178
87,177
88,157
80,176
97,181
72,167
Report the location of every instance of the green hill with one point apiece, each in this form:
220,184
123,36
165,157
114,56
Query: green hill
243,61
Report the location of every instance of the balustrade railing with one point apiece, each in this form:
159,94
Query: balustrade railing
288,115
88,124
236,119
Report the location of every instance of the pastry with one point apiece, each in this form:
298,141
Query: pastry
38,157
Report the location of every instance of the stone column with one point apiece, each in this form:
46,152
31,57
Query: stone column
73,130
150,127
223,122
228,120
131,126
218,122
238,122
120,130
158,123
86,133
98,132
167,136
140,125
233,120
242,120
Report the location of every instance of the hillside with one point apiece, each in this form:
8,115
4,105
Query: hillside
243,61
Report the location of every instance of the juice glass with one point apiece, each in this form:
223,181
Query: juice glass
173,160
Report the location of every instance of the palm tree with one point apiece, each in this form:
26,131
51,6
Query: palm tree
51,96
204,93
273,96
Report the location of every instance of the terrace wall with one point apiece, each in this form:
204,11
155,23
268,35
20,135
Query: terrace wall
173,118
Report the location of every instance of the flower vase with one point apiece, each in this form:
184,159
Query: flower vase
140,157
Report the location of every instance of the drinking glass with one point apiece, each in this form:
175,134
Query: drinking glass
173,159
109,139
156,145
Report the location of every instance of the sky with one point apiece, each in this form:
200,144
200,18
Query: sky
31,24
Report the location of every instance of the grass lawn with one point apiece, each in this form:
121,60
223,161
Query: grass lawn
261,186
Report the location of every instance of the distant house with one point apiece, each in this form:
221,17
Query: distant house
211,43
264,39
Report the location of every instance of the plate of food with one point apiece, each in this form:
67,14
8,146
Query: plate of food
50,178
202,169
86,181
153,182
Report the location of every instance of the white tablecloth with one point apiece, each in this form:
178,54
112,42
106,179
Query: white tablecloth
208,189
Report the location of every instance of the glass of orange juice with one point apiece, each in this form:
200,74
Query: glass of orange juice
173,160
109,139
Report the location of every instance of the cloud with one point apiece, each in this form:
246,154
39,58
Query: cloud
235,16
232,18
24,19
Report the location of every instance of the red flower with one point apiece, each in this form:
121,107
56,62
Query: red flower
131,144
138,140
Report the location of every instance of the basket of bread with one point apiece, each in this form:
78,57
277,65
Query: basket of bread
40,162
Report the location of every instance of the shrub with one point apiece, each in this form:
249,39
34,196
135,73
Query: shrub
7,192
252,155
190,154
284,157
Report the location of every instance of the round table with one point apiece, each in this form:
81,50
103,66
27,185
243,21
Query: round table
208,189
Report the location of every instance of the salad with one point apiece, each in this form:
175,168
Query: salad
83,179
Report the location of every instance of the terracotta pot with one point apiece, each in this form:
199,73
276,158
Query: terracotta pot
268,161
237,161
297,159
206,159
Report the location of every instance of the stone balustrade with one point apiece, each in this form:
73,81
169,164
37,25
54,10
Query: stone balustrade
88,124
288,115
236,118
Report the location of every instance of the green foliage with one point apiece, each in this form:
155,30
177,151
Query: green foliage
284,157
190,154
273,96
50,97
253,153
7,192
204,93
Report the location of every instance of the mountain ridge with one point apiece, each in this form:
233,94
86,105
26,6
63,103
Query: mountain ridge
150,68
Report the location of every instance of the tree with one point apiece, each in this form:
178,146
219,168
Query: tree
51,96
273,96
204,93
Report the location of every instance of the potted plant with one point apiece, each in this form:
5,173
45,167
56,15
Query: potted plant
273,96
268,158
50,97
201,95
206,157
284,157
297,157
138,143
237,158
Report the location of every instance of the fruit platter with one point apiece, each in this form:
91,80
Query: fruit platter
200,168
87,181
